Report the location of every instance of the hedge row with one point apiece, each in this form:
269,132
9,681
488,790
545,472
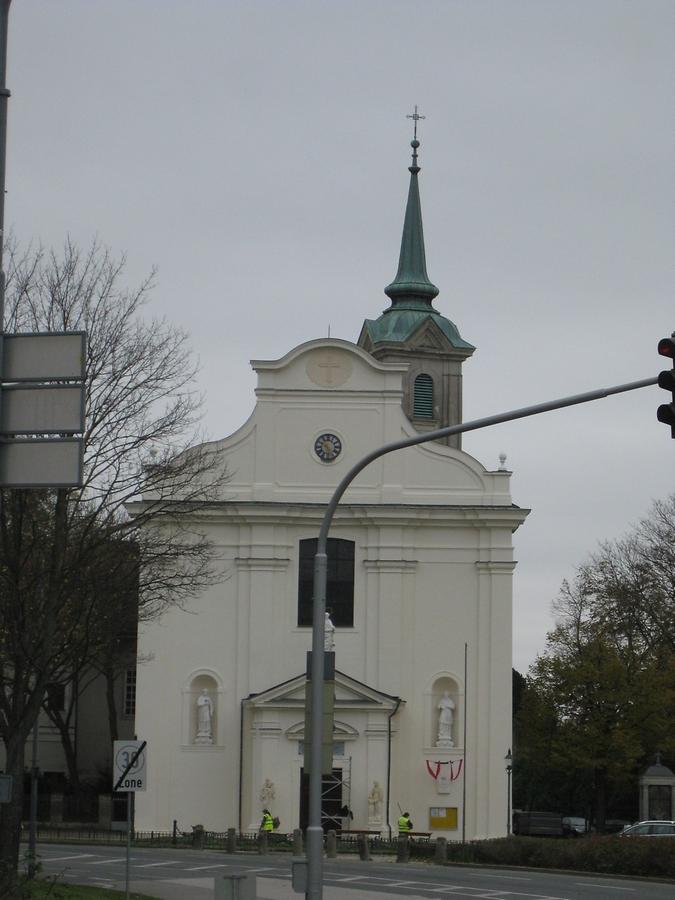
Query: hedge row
611,854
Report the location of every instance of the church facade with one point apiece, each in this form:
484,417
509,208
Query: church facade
419,591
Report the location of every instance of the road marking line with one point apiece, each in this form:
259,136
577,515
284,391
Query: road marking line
62,858
201,868
171,862
503,877
103,862
610,886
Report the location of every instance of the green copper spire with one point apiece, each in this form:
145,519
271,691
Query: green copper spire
411,292
411,288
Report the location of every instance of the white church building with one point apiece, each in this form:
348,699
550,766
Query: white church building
419,588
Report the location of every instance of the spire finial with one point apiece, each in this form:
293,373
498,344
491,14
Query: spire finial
415,143
415,117
412,285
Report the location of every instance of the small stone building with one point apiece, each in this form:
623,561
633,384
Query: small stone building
657,792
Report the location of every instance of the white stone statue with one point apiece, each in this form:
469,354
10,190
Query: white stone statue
204,718
375,803
328,634
446,717
267,792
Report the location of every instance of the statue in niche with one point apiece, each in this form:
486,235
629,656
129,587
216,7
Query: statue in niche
267,792
204,718
446,716
375,803
328,634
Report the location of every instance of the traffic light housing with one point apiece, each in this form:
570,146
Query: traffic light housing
666,412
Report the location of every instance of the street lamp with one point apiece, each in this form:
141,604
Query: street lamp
508,759
314,833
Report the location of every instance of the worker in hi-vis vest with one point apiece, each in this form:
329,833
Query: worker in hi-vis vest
267,823
404,823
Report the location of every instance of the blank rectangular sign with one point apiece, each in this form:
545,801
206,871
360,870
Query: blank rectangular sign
43,357
42,409
443,817
41,463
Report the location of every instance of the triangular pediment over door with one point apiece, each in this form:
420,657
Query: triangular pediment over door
351,695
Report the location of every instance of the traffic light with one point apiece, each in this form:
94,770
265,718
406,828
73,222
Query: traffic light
666,412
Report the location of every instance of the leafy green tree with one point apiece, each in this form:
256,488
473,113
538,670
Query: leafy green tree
601,699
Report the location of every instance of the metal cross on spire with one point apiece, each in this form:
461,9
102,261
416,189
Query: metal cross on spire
415,117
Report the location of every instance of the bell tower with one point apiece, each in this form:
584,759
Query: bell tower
411,330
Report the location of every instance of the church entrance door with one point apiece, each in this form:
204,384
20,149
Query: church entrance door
331,800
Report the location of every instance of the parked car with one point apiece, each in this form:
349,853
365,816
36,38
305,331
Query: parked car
575,826
654,828
538,824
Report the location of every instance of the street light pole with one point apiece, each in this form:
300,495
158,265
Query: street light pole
509,768
314,829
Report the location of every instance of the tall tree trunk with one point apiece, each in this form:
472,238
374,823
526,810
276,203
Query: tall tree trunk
10,815
68,746
600,798
111,702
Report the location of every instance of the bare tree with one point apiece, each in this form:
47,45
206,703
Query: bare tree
141,440
632,582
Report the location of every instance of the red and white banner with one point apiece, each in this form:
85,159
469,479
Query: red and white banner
434,768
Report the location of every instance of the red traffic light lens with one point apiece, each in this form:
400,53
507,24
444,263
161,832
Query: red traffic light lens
667,347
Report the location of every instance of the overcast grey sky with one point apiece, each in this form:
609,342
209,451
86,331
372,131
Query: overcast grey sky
257,153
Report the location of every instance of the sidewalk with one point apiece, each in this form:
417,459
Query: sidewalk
267,889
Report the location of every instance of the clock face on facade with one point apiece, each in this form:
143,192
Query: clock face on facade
327,447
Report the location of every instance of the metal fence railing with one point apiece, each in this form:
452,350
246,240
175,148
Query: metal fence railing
198,838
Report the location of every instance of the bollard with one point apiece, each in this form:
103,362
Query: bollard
403,849
262,842
331,844
237,886
297,842
364,847
299,875
441,850
231,845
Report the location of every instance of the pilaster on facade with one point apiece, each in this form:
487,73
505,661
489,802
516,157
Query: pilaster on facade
257,621
493,660
386,580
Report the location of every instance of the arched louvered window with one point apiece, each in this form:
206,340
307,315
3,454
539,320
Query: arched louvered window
423,398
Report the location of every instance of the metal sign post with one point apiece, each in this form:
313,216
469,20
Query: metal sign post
129,774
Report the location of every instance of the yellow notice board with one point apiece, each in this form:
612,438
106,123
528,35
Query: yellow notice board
443,817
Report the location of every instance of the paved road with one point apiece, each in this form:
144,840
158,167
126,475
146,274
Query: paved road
178,874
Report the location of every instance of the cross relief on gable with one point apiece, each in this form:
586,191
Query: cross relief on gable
329,368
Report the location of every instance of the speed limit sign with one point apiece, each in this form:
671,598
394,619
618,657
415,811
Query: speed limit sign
129,765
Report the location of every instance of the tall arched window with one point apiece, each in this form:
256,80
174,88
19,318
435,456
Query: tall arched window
423,397
339,582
